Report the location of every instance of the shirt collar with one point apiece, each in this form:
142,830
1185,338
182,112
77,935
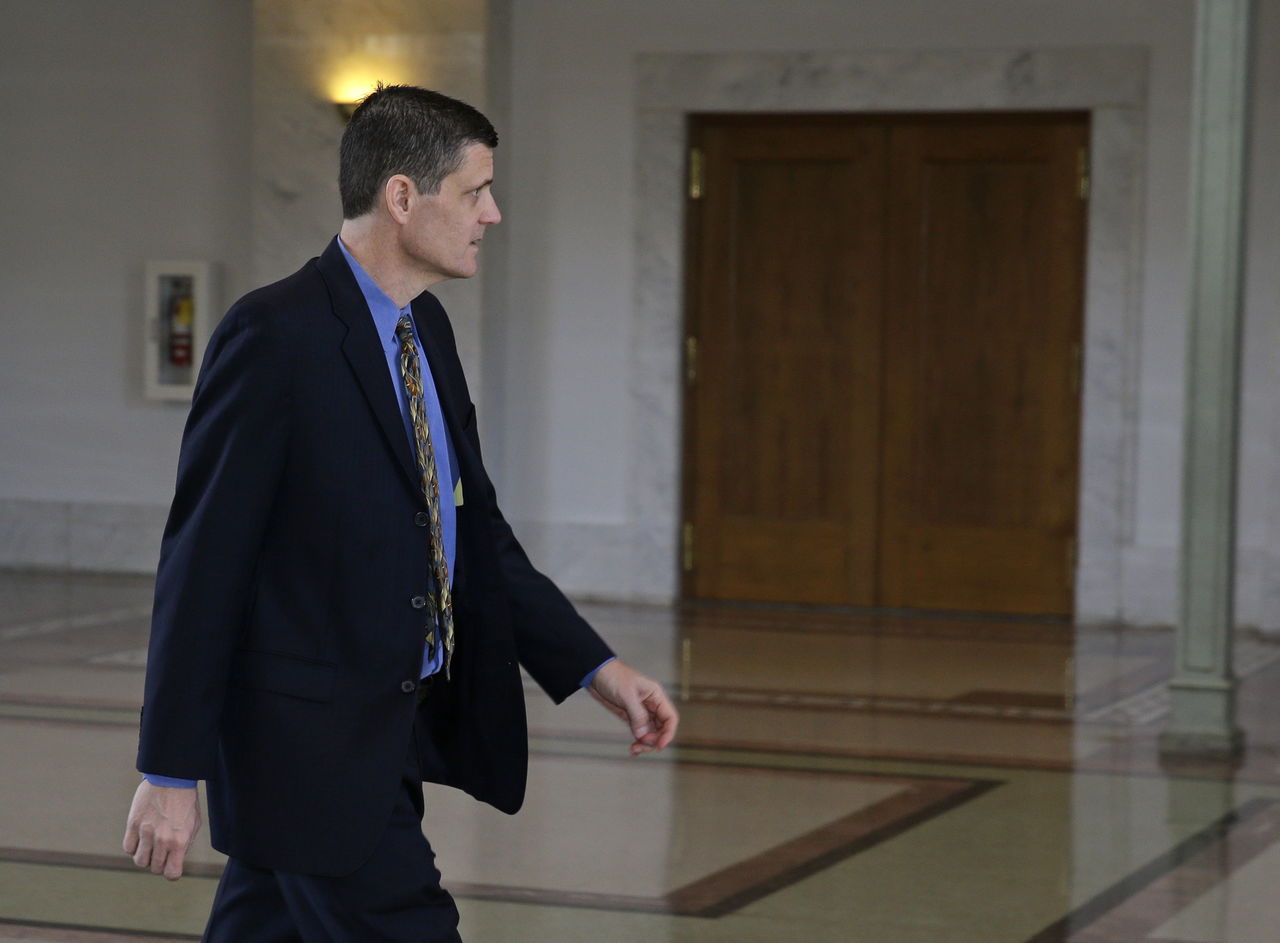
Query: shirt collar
386,313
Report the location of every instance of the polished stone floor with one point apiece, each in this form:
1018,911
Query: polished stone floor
839,777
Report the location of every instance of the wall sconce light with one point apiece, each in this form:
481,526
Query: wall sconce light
349,86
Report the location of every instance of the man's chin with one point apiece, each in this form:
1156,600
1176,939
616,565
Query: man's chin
460,271
466,271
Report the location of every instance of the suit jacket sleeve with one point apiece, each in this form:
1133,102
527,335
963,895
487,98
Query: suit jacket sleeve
229,468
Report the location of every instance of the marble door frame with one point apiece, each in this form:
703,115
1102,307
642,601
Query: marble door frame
1108,82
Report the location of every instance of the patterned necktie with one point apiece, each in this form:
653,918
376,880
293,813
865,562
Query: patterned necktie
412,376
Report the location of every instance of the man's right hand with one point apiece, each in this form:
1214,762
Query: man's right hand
163,822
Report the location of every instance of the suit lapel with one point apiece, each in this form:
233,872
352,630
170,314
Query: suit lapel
363,350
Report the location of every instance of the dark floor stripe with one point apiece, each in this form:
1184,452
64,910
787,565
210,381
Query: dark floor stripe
122,935
1088,913
787,864
77,859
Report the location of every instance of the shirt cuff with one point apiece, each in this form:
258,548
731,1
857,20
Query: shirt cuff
591,675
172,782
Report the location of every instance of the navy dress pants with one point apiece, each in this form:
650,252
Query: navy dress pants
394,897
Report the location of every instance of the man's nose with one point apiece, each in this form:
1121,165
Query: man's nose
491,214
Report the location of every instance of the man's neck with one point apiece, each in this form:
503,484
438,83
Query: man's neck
379,254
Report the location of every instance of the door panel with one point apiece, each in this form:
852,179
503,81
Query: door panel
982,326
786,399
887,318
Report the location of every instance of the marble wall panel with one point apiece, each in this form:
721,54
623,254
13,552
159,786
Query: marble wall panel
89,536
115,538
34,534
933,80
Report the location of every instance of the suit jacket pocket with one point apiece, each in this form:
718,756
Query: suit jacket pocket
283,674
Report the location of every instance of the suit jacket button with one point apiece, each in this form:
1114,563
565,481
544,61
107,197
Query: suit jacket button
422,518
418,602
408,687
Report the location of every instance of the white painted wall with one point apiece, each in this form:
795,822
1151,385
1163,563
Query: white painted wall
564,364
126,131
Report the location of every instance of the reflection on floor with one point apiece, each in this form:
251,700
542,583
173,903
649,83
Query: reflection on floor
840,777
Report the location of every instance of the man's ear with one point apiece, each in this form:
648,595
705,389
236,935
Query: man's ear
399,194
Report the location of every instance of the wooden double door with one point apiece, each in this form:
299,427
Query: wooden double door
883,360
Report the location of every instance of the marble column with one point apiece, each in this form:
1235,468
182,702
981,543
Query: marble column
1203,688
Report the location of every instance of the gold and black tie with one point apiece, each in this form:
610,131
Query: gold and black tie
442,601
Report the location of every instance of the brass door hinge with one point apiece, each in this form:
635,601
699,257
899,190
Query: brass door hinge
691,360
1084,173
695,173
687,554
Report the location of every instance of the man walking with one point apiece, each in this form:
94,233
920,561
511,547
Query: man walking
341,609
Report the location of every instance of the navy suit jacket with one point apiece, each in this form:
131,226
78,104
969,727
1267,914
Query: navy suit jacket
284,642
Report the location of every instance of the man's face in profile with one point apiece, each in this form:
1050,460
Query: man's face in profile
445,228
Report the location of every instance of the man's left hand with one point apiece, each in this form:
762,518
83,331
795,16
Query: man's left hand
640,702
